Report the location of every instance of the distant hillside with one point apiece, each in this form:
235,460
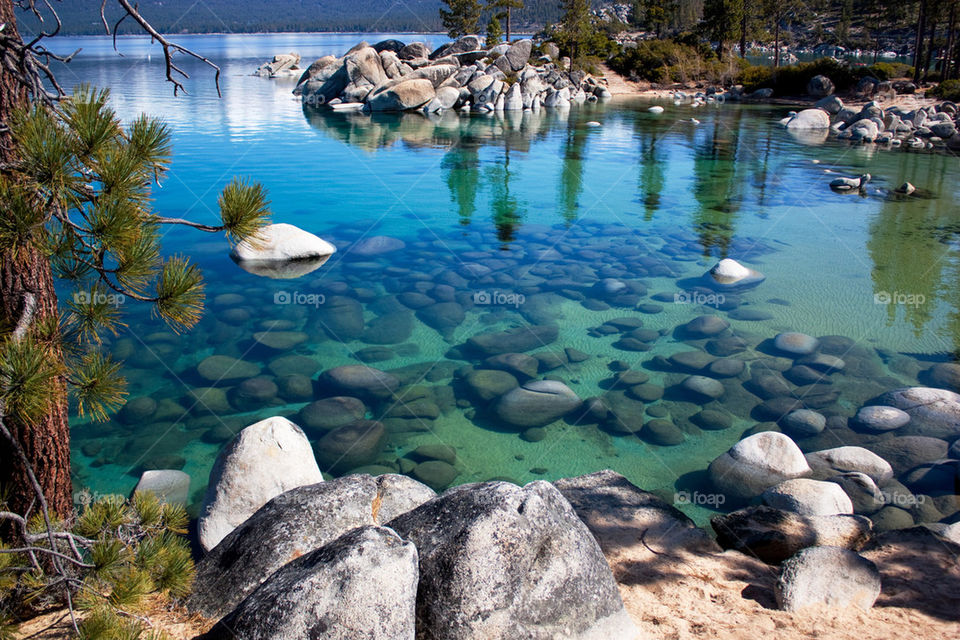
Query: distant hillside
244,16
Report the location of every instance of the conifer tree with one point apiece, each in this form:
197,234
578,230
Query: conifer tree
462,17
494,31
75,205
504,10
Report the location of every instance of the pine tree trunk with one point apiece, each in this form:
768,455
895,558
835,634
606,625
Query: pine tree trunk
918,42
776,45
948,48
46,443
508,25
743,34
928,56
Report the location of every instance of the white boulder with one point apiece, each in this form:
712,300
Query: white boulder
757,463
807,119
264,460
282,251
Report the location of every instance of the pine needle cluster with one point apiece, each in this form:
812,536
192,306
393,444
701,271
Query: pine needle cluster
128,550
80,193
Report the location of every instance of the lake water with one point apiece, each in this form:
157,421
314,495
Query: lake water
517,221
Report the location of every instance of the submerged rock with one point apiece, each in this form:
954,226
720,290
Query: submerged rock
331,413
537,403
350,446
514,340
169,485
933,412
500,561
264,460
361,379
224,369
361,585
880,419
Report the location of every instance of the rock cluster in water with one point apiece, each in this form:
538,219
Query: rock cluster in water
394,76
928,127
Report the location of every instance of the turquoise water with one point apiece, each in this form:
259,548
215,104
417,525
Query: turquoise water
548,206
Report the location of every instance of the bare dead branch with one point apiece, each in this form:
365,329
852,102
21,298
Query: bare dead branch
169,48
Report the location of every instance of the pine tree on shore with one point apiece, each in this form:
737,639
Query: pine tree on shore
461,18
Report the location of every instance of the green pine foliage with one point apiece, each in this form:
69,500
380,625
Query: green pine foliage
461,17
134,548
494,32
81,194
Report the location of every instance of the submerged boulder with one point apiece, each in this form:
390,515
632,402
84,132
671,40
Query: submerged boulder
933,412
514,340
262,461
537,403
499,562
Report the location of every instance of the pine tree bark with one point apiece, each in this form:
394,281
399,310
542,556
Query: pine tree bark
918,41
46,442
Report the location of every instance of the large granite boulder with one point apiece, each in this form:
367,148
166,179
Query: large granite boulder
403,96
773,535
262,461
537,403
500,562
518,54
756,463
829,576
361,585
820,86
365,71
291,525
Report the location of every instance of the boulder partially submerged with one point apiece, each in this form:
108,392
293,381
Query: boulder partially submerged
282,251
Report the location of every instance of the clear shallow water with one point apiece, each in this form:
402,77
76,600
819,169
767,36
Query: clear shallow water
548,206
